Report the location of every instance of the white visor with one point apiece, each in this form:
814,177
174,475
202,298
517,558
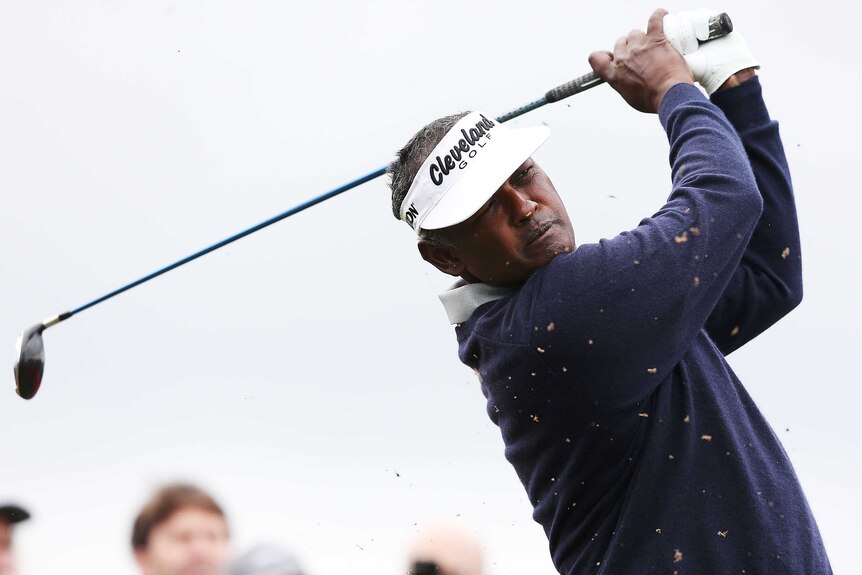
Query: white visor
469,164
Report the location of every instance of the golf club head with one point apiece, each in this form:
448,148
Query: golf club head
31,361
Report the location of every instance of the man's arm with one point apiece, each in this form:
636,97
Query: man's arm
767,284
615,318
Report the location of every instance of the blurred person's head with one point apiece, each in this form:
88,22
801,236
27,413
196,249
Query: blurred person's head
181,530
266,560
9,516
445,548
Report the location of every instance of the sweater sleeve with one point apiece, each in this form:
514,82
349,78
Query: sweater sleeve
767,284
615,317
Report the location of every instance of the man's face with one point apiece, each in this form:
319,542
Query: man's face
192,541
517,231
7,561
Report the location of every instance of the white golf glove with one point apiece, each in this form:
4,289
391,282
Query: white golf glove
713,62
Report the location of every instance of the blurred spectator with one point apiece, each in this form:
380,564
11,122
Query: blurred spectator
266,560
9,516
445,549
181,530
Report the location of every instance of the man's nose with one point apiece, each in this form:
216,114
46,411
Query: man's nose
521,206
202,547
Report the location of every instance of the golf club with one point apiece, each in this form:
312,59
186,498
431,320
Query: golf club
30,365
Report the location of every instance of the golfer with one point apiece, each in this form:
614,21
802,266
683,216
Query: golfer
604,364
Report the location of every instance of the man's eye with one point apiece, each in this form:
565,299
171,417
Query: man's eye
525,173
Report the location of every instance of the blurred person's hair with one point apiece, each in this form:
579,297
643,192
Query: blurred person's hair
424,568
164,503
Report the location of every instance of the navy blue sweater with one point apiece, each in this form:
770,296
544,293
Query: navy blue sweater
639,448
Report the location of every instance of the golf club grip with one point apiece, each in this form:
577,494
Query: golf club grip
573,87
719,25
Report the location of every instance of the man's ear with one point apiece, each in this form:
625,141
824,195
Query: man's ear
441,258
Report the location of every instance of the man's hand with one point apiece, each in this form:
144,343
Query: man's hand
643,67
712,63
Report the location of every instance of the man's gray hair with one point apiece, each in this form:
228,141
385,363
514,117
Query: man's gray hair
404,167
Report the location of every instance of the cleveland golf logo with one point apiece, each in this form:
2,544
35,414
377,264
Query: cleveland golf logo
466,146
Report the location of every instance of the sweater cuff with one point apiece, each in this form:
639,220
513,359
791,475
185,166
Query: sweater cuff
677,95
743,105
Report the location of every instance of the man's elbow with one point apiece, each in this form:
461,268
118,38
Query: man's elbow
794,297
789,297
784,294
753,202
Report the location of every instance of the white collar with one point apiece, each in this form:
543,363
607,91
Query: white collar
462,299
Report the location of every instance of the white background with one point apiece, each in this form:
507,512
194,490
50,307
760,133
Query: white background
306,375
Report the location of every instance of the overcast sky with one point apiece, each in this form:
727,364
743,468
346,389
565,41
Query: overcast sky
306,375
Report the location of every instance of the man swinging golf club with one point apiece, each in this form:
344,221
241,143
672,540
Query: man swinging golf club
604,366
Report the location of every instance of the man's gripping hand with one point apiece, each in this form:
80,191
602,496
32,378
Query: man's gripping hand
712,63
643,67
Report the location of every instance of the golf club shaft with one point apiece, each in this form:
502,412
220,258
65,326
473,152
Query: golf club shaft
720,25
298,208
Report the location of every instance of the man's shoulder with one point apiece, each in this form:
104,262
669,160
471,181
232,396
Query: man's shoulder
462,299
494,314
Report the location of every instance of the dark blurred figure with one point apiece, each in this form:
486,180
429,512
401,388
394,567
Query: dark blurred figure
445,549
266,560
181,530
423,568
9,516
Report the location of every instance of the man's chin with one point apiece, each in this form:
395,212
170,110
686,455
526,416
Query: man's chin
562,250
558,247
200,569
